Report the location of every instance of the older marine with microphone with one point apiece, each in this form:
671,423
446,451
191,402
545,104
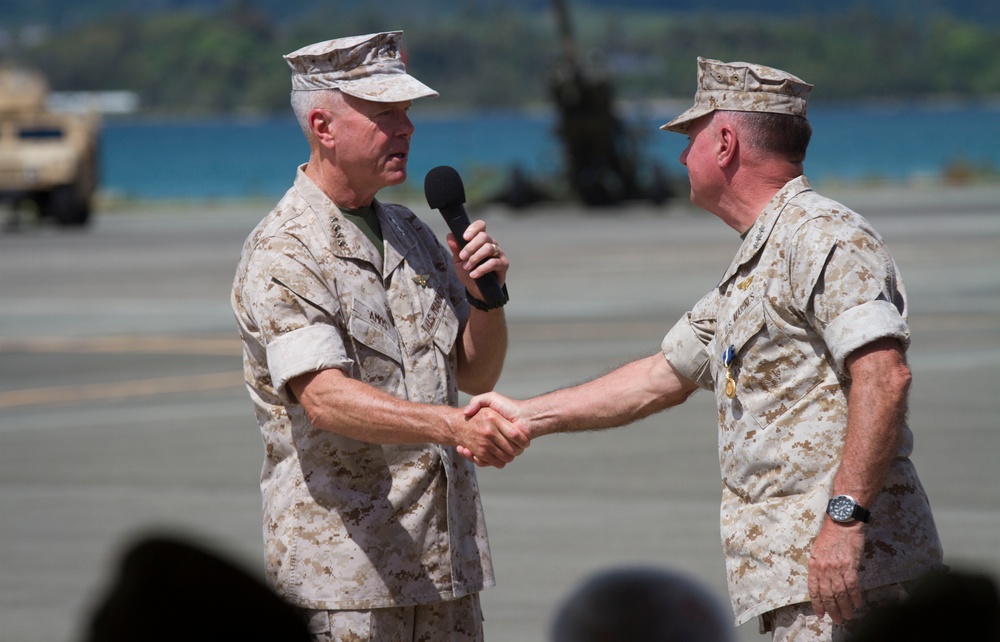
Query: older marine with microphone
358,335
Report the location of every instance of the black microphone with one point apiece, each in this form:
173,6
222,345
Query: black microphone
445,192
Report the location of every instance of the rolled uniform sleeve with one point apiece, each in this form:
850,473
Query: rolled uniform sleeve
855,297
297,315
861,325
686,344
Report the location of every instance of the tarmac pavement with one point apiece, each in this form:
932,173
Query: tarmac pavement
122,410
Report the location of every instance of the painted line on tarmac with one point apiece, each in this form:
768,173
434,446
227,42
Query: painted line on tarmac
124,344
120,389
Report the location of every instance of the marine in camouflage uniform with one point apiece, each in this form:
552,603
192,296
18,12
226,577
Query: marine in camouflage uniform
357,530
802,344
812,283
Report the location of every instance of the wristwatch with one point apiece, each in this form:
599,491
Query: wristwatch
844,509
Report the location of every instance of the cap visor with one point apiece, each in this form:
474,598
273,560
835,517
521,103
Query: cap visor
681,123
387,88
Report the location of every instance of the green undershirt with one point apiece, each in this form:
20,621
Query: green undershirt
367,221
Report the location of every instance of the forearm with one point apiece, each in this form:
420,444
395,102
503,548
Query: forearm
483,345
632,392
876,410
483,349
876,414
357,410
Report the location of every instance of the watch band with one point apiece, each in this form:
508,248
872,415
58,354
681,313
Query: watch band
861,514
483,305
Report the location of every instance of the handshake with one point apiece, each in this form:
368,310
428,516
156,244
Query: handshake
494,430
497,429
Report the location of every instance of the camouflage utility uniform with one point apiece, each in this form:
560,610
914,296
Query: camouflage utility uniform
348,524
811,283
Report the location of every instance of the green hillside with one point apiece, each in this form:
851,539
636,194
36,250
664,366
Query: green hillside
225,57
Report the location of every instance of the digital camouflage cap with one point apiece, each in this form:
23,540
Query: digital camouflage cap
370,67
742,86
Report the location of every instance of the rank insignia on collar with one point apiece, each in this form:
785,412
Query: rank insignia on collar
743,285
421,280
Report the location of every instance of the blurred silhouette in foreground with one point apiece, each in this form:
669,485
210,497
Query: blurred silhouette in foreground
941,606
168,589
641,605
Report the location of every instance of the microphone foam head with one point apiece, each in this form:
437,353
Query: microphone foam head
443,187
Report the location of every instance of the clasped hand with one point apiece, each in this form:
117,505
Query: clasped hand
504,433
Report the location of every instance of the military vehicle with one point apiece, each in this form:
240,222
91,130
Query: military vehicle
601,156
47,157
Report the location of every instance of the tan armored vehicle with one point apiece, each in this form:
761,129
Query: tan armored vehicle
45,156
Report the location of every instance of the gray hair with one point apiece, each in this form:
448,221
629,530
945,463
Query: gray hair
304,101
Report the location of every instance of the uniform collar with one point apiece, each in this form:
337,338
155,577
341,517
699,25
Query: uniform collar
346,240
756,237
398,242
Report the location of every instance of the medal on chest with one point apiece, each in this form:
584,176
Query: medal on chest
727,360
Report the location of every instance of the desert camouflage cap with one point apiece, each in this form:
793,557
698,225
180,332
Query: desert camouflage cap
369,67
742,86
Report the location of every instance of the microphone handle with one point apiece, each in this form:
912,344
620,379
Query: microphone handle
489,285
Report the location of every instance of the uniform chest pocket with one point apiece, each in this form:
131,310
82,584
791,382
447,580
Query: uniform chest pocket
772,371
374,330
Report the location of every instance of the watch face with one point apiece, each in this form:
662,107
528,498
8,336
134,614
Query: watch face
841,508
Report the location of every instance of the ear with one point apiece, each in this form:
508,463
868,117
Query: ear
727,145
321,125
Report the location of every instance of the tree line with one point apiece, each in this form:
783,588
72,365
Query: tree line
229,60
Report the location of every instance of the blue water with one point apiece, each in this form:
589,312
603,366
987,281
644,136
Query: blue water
241,158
